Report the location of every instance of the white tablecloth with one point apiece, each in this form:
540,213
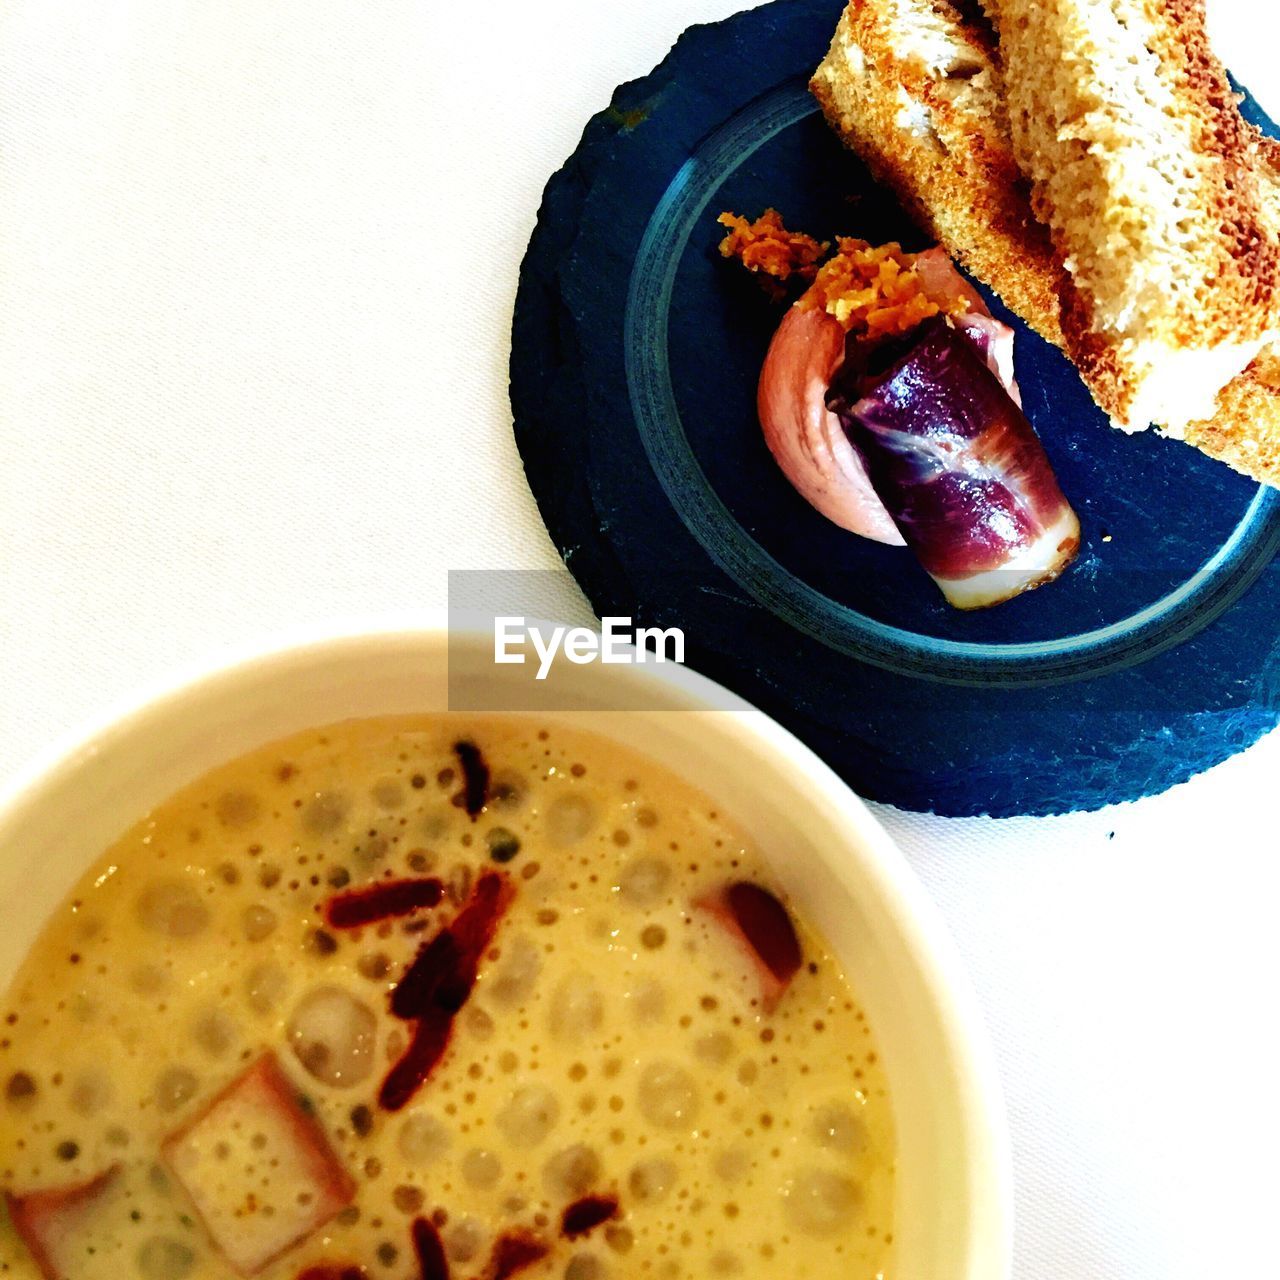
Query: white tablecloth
257,260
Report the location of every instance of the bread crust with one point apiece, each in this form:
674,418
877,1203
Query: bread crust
1245,431
957,174
966,189
1144,171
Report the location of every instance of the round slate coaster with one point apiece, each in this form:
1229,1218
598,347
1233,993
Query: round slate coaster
636,351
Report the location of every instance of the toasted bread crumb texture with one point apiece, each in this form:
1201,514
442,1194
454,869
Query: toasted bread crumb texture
923,61
1143,169
1245,431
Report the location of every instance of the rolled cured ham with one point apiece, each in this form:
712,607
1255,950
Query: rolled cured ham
956,463
806,439
888,398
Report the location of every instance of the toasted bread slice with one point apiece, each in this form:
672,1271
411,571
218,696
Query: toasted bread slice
760,929
1244,432
56,1224
259,1168
915,90
915,87
1142,168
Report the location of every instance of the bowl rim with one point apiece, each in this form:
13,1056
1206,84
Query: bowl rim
917,919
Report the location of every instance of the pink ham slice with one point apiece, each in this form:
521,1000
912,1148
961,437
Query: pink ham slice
56,1223
807,440
259,1168
805,437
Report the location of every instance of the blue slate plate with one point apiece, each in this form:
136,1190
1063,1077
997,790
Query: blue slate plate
636,350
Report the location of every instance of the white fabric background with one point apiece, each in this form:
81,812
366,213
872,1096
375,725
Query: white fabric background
257,261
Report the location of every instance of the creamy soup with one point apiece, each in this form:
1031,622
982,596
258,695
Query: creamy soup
427,998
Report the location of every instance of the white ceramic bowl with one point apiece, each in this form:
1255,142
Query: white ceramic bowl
954,1199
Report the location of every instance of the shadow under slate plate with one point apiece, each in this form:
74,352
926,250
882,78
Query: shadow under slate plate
635,357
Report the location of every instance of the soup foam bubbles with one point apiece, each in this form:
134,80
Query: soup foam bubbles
614,1044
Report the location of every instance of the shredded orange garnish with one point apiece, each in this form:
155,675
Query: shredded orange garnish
766,246
875,291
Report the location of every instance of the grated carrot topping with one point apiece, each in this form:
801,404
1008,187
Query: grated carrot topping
767,247
875,290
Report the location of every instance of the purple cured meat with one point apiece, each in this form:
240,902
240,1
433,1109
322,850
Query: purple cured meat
957,465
